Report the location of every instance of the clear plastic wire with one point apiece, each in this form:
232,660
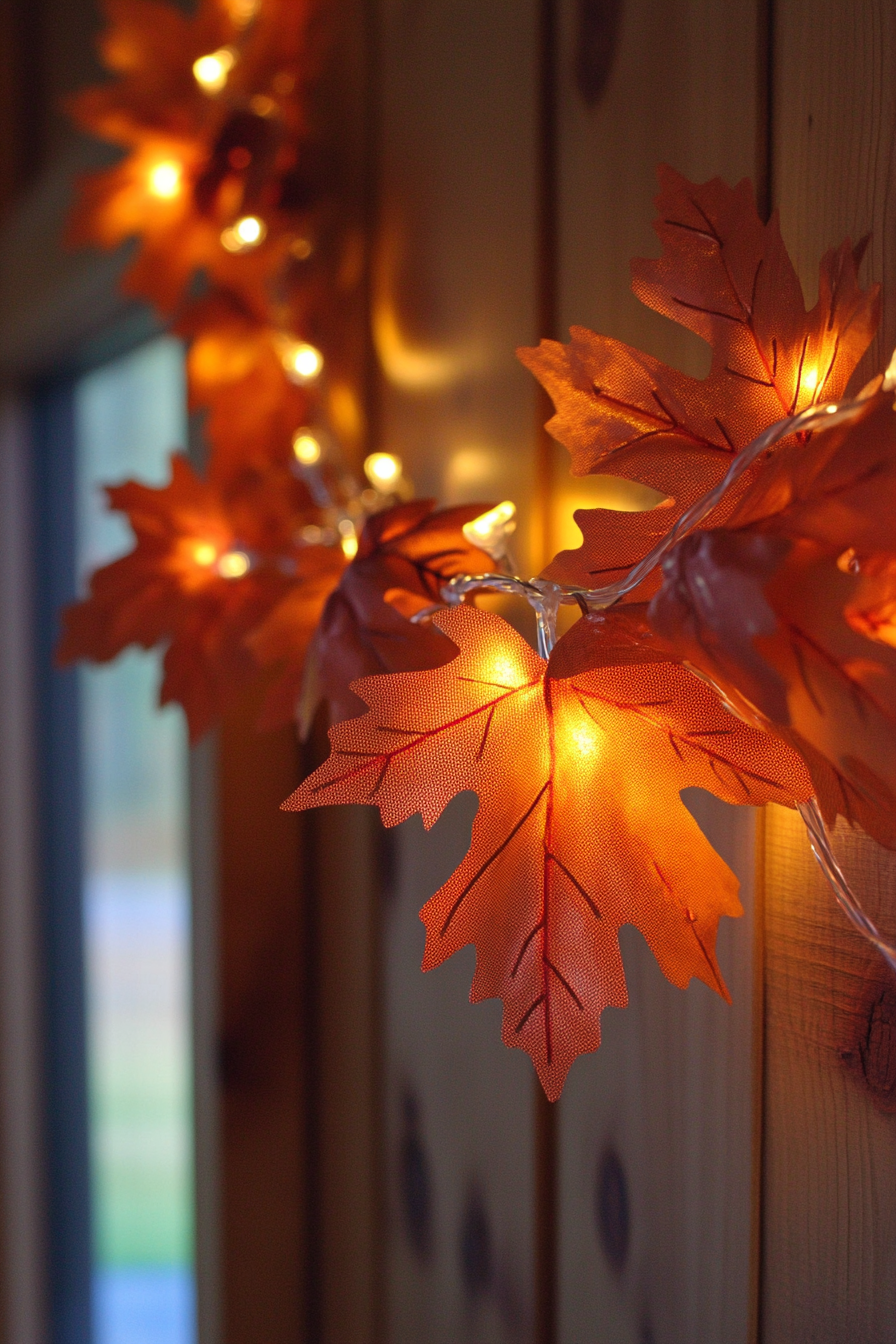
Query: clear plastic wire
820,841
546,597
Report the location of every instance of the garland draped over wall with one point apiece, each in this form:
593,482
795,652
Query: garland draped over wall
740,637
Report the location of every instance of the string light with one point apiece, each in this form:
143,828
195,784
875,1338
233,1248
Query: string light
233,565
302,362
490,530
349,538
382,470
205,553
809,380
165,180
245,234
306,447
211,71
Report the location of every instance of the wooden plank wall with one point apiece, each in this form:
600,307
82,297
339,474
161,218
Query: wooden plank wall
656,1218
691,1205
455,290
829,1132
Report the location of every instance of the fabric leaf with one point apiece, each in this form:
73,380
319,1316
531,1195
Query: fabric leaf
170,590
405,556
580,827
726,276
791,612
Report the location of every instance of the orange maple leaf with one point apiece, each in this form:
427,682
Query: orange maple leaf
176,587
790,610
405,556
225,155
608,729
726,276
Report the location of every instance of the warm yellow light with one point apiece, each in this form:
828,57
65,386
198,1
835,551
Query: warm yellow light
205,553
306,447
832,409
491,530
165,180
584,739
233,565
302,362
809,380
382,469
348,538
211,71
242,11
503,671
245,234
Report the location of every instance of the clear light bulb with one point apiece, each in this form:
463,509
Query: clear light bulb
245,234
211,71
382,470
348,538
234,564
306,447
302,362
165,180
490,530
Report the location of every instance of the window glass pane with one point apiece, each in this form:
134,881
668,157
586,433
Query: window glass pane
129,415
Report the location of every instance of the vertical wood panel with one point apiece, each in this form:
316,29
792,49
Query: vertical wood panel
657,1128
829,1198
455,292
829,1181
261,951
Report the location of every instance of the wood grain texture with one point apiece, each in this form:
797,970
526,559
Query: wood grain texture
657,1151
455,291
834,141
829,1189
829,1182
460,1155
345,1210
260,1047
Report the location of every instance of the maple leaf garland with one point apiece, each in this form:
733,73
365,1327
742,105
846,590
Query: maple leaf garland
169,588
405,556
726,276
232,154
578,764
789,609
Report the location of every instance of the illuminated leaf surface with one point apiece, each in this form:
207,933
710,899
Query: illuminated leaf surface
580,827
232,157
169,588
791,612
405,556
726,276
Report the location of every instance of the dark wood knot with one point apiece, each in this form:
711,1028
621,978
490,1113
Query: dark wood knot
873,1057
612,1210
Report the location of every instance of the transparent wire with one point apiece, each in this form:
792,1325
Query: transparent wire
546,597
820,841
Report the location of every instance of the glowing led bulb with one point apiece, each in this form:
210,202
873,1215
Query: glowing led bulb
205,553
302,362
809,380
165,180
233,565
306,447
491,530
348,538
211,71
245,234
382,470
